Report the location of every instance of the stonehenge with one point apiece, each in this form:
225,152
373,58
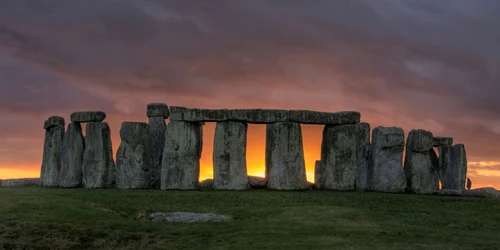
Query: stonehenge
157,155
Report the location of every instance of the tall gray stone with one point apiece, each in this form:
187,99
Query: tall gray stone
421,174
338,157
112,166
317,174
386,162
229,156
363,156
285,166
133,158
97,156
158,127
72,157
181,156
453,167
51,161
88,116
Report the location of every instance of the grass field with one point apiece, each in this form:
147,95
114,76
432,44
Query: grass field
48,218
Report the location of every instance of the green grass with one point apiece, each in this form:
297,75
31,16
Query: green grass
48,218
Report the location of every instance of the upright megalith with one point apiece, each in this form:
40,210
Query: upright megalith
386,163
71,171
317,174
362,156
285,165
453,176
420,168
157,113
88,116
51,162
338,157
181,156
133,158
97,156
229,156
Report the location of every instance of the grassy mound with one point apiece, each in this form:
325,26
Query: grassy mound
45,218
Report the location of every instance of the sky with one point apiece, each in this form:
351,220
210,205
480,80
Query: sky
416,64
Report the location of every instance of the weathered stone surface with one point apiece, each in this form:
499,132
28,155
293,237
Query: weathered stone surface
207,184
20,182
317,174
71,171
258,115
51,161
158,110
181,156
229,156
188,217
256,182
54,121
158,127
88,116
449,192
362,156
285,166
420,170
112,166
97,155
487,192
327,118
198,115
338,157
453,167
442,141
133,158
387,173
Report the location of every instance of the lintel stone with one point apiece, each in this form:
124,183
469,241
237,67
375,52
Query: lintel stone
88,116
158,110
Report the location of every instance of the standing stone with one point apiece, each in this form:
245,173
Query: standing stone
112,167
387,173
362,156
285,165
72,157
157,113
229,156
421,173
133,157
317,172
181,156
97,155
338,157
453,176
51,161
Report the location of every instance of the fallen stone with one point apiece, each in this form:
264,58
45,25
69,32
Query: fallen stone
258,116
97,155
387,156
158,110
421,174
54,121
338,157
285,166
362,156
88,116
23,182
158,127
51,159
327,118
181,156
133,156
454,175
207,184
486,192
71,171
442,141
257,182
229,156
188,217
198,115
449,192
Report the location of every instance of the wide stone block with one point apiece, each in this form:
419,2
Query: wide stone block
51,159
53,121
97,156
88,116
259,116
454,175
442,141
285,166
198,115
181,155
133,158
327,118
338,157
158,126
158,110
72,157
387,148
229,156
420,166
363,149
